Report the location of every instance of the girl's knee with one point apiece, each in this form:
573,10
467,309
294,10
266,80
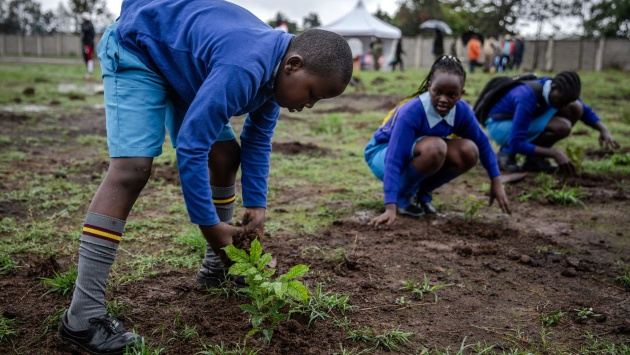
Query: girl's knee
429,154
465,156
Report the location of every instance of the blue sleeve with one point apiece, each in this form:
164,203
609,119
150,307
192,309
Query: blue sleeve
468,127
223,93
589,117
255,153
524,109
399,147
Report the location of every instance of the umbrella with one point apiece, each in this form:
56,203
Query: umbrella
436,25
469,34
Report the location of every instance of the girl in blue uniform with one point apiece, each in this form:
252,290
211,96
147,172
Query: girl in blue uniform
411,153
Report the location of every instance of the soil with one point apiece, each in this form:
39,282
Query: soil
502,271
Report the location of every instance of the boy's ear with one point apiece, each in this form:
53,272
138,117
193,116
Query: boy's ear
294,62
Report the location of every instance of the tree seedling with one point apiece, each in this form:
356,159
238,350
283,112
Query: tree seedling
269,297
473,205
551,319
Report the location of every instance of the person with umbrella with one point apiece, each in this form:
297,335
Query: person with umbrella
440,28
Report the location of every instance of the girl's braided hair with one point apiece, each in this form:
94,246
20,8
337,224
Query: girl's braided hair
446,63
568,82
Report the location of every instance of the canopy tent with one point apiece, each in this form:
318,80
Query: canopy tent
360,24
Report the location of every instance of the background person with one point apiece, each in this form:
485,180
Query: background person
87,41
411,153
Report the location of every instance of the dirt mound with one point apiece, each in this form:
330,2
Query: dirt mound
295,148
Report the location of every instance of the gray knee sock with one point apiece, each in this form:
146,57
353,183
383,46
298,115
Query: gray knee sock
99,242
223,199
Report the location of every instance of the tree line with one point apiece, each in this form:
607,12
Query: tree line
608,18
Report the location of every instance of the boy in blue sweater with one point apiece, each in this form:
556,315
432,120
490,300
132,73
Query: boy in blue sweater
522,123
413,154
189,66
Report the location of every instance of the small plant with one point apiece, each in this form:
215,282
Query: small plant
551,319
142,348
621,159
6,263
546,190
576,155
6,327
321,304
222,349
585,313
185,335
625,277
402,301
473,205
269,297
61,282
389,340
420,290
115,308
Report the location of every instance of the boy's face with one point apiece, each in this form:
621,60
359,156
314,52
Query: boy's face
445,89
558,99
296,89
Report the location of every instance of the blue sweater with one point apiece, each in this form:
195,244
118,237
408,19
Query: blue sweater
411,123
220,59
520,103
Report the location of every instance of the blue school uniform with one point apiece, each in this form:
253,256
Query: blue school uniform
516,120
212,60
391,148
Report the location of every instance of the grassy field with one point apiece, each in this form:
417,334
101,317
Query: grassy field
41,210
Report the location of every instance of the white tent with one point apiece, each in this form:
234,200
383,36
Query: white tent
360,24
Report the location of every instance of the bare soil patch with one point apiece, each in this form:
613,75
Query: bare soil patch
503,272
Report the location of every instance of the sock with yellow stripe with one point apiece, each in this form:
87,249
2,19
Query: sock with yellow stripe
99,243
223,199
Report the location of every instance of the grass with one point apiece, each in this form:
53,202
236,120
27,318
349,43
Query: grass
335,184
420,289
61,282
7,328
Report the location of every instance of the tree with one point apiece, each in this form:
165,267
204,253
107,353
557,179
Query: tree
311,21
280,17
609,18
383,16
24,17
97,8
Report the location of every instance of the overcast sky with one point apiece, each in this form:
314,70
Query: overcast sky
327,10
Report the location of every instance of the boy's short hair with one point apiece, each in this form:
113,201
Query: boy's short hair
568,82
325,54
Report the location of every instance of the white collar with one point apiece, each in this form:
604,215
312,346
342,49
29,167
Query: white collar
547,90
432,116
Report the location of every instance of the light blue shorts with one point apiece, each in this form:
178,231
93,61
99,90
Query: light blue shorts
375,158
500,130
139,104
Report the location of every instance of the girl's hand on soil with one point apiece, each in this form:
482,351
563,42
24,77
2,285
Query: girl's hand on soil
565,165
219,236
387,218
254,220
497,192
606,140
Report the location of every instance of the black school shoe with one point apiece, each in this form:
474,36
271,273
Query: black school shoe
427,207
105,335
538,165
410,210
216,277
507,162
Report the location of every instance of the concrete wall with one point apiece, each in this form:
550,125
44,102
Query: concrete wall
42,46
555,55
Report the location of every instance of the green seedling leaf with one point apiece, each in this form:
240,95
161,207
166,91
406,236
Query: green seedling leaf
279,289
264,261
236,255
240,269
297,271
255,251
297,290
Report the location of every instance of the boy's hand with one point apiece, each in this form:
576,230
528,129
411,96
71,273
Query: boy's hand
219,236
254,220
388,217
497,192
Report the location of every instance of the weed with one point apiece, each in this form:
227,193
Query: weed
552,319
389,340
585,313
61,282
473,205
625,277
321,304
401,301
6,327
597,345
52,321
142,348
192,239
269,297
185,335
222,349
6,263
116,308
621,159
419,290
545,190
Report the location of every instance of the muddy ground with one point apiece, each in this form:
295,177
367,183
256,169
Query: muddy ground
503,272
